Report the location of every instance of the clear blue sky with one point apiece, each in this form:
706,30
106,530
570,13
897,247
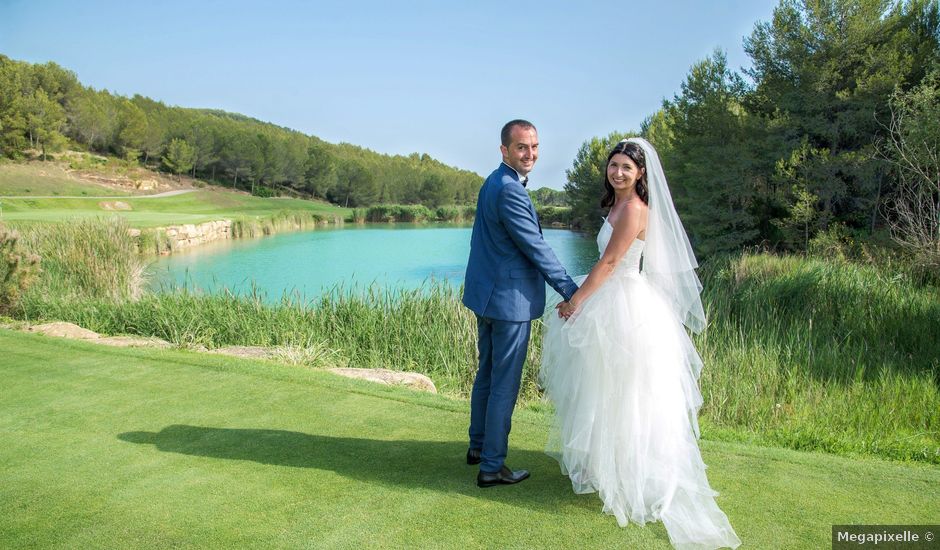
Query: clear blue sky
396,77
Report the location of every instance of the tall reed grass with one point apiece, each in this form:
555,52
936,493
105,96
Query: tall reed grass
415,213
820,354
806,353
424,330
287,220
85,259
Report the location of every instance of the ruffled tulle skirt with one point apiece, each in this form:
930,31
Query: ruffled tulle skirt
623,376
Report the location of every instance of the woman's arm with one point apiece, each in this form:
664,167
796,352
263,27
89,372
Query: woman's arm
631,222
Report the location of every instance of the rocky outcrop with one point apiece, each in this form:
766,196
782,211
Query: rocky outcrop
180,237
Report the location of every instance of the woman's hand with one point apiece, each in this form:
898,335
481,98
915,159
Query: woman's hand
566,310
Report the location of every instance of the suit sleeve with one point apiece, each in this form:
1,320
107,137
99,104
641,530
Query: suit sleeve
515,213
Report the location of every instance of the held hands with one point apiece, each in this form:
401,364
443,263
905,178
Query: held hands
566,310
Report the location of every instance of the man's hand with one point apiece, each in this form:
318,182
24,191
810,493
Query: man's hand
566,310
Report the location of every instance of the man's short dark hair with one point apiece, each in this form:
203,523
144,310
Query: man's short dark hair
507,129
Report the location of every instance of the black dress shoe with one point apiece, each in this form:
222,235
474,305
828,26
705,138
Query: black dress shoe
503,477
473,456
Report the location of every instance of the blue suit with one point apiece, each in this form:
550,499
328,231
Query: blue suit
505,286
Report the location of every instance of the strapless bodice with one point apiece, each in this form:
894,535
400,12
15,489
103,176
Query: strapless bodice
631,260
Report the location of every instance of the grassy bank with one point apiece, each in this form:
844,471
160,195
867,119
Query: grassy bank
804,353
126,448
195,207
48,179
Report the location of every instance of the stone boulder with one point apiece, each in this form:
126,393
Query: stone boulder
65,330
133,341
247,352
412,380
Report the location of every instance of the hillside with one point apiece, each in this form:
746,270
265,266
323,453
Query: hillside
57,192
231,149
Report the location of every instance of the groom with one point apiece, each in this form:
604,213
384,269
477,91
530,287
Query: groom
505,287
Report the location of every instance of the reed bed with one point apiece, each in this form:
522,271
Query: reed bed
287,220
414,213
819,354
85,259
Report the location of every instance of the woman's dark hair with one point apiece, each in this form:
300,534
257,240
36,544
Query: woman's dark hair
635,152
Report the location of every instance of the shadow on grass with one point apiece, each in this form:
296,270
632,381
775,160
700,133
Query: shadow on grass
436,465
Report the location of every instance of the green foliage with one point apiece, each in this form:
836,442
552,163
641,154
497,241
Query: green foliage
18,269
386,213
390,213
84,259
546,196
132,129
94,119
179,156
824,71
262,191
554,215
456,213
225,148
287,220
803,216
44,121
585,184
356,186
778,159
836,244
434,191
713,176
319,170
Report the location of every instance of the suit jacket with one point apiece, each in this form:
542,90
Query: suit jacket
509,260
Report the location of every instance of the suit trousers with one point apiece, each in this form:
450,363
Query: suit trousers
503,346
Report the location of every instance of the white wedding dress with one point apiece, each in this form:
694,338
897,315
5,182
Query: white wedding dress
623,376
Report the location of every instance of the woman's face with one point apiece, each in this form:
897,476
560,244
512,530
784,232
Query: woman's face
622,172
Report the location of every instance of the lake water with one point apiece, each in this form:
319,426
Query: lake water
312,262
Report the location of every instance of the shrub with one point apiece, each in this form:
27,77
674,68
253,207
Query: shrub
264,192
833,243
18,269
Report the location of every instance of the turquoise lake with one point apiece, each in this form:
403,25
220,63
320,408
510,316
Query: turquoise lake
310,263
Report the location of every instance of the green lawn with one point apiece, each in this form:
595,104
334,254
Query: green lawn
196,207
116,448
47,179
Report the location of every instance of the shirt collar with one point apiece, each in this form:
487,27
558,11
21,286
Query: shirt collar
522,180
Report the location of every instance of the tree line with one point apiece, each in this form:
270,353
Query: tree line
43,107
810,140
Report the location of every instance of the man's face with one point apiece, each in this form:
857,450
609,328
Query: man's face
523,150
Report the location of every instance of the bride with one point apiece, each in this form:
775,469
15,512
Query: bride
622,371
